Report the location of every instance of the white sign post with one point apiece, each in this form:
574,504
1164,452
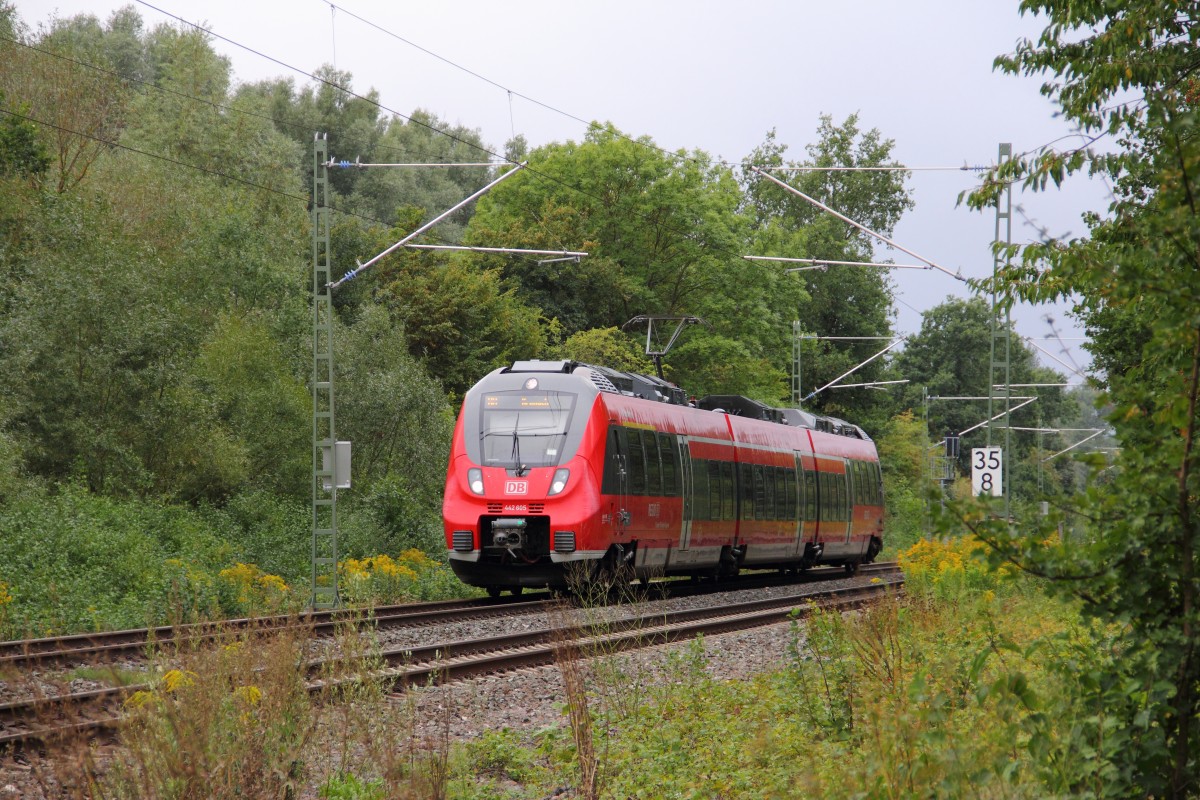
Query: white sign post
987,471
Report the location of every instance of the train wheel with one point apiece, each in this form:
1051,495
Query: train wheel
494,591
851,567
516,590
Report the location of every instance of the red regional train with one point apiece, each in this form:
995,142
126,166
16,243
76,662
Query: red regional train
562,471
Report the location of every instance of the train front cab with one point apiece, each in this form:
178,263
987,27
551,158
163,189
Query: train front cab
521,500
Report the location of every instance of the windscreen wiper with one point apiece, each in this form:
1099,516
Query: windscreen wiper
516,452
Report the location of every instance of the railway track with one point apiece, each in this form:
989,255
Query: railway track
50,718
134,644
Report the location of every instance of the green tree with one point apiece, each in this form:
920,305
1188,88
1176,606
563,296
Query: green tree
328,107
951,357
1126,72
110,294
607,347
657,226
81,106
21,152
840,301
664,237
400,424
904,458
423,139
456,316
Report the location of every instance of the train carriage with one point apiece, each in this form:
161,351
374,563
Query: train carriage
561,471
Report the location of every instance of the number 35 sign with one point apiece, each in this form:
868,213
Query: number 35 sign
987,471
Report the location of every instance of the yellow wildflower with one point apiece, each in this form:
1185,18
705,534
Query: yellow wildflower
178,679
249,695
139,699
272,582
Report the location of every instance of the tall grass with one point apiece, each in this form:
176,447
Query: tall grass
944,692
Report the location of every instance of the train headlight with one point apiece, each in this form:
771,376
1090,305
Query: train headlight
475,480
560,481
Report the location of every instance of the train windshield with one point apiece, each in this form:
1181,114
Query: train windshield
520,430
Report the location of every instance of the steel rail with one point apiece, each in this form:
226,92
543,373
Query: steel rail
109,646
451,661
50,718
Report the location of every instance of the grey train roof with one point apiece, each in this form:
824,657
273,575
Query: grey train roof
648,387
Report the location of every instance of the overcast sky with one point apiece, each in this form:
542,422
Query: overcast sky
703,74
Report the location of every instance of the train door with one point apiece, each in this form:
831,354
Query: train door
797,502
845,483
616,481
686,494
833,507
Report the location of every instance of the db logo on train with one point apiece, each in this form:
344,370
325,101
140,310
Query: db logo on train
516,487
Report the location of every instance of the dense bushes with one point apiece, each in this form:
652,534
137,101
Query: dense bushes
77,561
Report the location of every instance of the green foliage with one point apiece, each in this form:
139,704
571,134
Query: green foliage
74,561
255,394
607,347
104,295
459,319
267,529
226,722
904,459
1135,566
664,235
841,301
85,106
906,699
951,357
501,755
398,418
21,152
344,786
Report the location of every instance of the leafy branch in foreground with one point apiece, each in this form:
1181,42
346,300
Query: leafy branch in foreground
1135,282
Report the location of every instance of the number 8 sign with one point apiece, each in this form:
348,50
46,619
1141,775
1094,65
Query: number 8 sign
987,471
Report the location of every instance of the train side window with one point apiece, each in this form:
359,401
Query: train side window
785,488
810,495
714,489
822,493
653,465
836,495
746,490
700,504
761,500
669,454
878,482
799,474
793,494
775,499
637,463
844,488
728,504
611,483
